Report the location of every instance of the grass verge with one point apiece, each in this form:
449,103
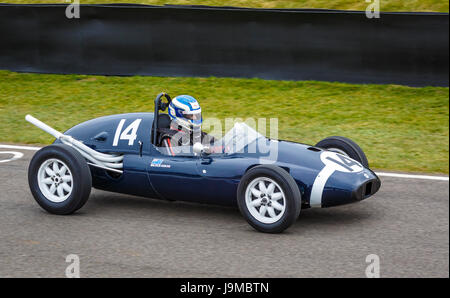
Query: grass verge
400,128
385,5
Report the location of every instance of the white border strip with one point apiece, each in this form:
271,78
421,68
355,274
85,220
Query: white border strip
382,174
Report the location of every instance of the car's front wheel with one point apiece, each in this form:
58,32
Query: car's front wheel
269,198
59,179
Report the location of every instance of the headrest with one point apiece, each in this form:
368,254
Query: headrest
164,121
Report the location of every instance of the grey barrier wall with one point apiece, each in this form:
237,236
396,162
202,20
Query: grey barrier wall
346,46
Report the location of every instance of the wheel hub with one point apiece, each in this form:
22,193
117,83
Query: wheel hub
265,200
55,180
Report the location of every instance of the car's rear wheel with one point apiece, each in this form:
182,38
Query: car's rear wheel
59,179
344,146
269,198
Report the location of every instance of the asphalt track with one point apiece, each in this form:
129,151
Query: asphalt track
406,224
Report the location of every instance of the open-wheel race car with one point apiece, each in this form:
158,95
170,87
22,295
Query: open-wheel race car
121,153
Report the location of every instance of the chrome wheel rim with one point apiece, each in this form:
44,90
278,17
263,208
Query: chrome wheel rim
265,200
55,180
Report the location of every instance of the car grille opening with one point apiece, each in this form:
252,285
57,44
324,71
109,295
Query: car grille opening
368,190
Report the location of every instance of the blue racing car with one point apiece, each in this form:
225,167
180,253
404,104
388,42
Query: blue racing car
135,154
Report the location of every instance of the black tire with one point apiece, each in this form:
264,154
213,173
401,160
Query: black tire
346,145
81,178
289,188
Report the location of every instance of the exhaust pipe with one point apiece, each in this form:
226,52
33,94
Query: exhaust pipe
106,161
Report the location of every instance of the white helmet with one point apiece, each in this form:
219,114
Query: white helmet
185,111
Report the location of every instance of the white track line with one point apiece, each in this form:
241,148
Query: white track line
20,147
408,176
382,174
16,156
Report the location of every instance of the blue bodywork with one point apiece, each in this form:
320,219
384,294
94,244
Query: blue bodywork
209,179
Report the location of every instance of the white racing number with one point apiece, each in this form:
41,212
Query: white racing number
129,133
333,162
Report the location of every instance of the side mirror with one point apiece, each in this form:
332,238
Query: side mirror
200,149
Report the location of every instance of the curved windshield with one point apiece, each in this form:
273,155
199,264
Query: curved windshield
239,137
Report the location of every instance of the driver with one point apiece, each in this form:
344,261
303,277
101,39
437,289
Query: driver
185,127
